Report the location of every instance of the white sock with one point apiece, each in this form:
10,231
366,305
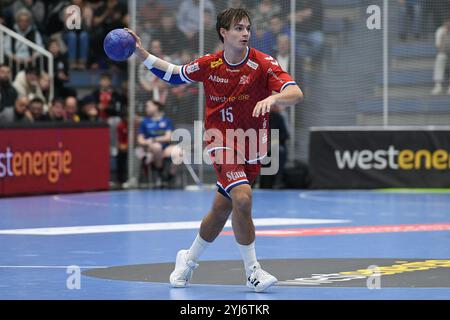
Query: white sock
198,246
248,254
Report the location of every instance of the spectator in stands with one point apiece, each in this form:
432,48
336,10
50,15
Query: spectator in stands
108,16
276,27
55,18
109,101
89,111
263,12
310,37
18,114
171,38
283,57
60,69
78,40
277,121
37,110
210,33
158,89
8,94
443,51
410,14
154,138
182,95
188,16
71,109
44,85
27,83
56,110
153,12
122,144
2,14
35,7
435,10
257,38
16,51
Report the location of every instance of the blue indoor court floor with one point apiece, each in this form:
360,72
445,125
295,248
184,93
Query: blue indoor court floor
124,244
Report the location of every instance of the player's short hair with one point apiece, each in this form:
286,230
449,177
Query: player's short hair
32,70
36,100
158,104
227,17
58,100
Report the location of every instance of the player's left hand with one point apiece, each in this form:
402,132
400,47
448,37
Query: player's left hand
263,106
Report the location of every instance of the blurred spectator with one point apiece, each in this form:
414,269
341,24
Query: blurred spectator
434,12
263,12
182,95
109,101
55,20
154,139
188,16
56,110
158,89
276,27
210,33
71,109
37,110
122,144
171,38
277,122
35,7
27,83
18,114
77,41
257,37
44,85
20,54
222,5
8,94
410,15
283,57
61,70
443,51
89,111
153,12
310,37
108,16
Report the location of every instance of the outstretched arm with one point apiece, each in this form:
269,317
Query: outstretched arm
161,68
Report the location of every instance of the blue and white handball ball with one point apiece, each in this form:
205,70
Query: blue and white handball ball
119,45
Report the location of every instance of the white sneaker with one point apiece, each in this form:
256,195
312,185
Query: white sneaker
260,280
180,277
437,89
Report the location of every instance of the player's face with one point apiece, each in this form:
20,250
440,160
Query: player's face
238,35
152,109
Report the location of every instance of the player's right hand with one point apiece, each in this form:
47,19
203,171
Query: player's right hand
136,37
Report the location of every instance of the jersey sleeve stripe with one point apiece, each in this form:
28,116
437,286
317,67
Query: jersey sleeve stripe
287,84
183,75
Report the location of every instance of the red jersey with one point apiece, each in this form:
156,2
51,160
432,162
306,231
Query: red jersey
232,91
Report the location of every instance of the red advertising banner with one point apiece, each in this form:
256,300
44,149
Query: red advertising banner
53,160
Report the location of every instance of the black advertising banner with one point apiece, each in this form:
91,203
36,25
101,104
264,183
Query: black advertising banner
379,158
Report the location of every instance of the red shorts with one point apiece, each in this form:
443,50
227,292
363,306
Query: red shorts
234,173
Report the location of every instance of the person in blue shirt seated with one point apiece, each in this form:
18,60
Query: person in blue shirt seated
154,142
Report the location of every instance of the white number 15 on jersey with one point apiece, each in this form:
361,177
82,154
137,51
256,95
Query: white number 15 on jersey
227,114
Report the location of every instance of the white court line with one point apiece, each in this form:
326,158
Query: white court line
50,267
179,225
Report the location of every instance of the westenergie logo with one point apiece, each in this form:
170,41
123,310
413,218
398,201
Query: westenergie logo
393,159
51,163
